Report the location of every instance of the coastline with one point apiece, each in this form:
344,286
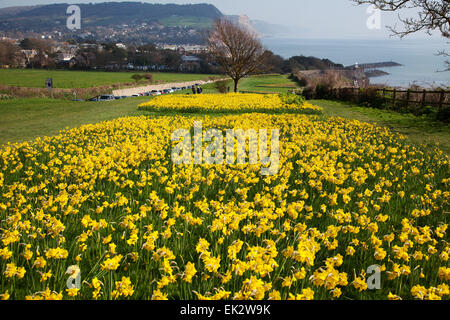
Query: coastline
419,63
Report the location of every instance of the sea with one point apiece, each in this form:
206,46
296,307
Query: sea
420,63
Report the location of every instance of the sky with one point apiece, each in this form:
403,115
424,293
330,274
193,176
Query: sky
329,19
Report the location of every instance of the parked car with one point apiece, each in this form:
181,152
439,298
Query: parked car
156,92
106,97
103,97
118,97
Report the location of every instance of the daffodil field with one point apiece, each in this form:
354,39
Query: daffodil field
233,103
105,203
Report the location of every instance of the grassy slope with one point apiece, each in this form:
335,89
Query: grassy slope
267,84
26,119
419,130
82,79
263,84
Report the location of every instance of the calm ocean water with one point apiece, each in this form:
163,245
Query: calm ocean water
420,64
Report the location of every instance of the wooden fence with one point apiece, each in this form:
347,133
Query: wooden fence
407,98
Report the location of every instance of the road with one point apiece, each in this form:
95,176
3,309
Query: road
137,90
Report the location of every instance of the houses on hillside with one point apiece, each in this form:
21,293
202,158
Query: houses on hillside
49,53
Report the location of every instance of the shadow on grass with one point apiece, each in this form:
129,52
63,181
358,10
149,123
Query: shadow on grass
422,130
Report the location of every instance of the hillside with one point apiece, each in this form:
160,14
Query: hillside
128,22
102,14
312,63
264,29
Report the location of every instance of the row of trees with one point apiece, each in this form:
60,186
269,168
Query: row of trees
12,55
101,55
9,54
87,57
146,55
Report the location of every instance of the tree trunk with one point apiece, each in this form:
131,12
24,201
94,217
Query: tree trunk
236,81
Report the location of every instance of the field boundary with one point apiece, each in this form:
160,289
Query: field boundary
405,98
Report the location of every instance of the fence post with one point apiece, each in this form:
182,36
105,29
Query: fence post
441,100
423,98
393,97
408,94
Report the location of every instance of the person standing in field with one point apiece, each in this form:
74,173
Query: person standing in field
193,90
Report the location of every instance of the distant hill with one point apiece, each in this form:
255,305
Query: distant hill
103,14
264,29
127,22
43,18
9,11
312,63
244,21
274,30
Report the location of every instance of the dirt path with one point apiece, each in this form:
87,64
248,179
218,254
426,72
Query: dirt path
137,90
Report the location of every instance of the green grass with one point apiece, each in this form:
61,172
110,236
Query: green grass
83,79
26,119
207,88
263,84
418,130
268,84
197,22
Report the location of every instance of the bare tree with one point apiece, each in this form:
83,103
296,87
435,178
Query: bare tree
9,54
433,15
447,55
236,49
